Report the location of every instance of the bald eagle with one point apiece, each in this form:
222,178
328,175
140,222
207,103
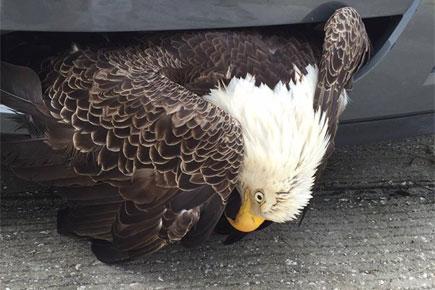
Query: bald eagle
151,139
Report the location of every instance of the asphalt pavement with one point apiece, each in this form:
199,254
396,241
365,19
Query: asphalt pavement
371,225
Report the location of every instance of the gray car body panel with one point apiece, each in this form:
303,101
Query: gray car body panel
397,85
134,15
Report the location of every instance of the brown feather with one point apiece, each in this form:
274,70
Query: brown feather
345,48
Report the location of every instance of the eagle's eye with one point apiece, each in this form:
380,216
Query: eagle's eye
259,196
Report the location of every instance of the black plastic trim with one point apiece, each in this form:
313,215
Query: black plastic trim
376,130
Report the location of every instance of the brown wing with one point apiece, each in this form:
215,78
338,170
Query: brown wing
137,130
345,48
218,56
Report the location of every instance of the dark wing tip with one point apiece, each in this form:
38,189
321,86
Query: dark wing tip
107,253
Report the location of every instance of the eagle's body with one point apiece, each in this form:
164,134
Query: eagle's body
152,138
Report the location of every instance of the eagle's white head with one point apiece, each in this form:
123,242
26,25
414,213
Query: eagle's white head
285,140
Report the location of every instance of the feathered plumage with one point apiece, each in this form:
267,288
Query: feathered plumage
151,155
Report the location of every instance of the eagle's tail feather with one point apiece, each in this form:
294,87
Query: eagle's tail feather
21,90
28,154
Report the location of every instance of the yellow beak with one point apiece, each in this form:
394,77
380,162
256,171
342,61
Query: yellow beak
245,221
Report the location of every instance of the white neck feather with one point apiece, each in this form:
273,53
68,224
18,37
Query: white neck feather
285,139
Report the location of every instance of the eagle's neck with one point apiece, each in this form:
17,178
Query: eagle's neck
285,139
